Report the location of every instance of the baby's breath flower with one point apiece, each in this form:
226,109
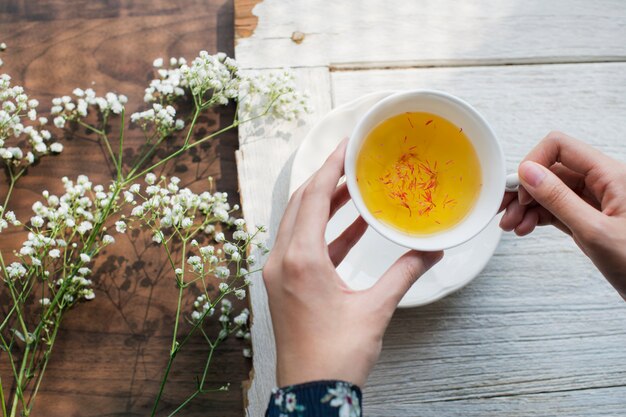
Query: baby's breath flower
85,258
223,287
54,253
194,260
82,228
16,270
56,147
162,117
242,318
157,237
137,211
207,250
150,178
240,235
36,221
240,294
222,272
108,239
229,248
120,226
219,237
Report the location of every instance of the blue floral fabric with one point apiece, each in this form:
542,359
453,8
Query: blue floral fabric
316,399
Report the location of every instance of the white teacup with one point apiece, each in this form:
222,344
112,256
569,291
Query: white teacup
490,156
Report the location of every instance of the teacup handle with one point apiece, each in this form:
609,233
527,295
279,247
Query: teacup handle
512,183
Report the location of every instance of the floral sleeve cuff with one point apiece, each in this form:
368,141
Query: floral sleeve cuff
316,399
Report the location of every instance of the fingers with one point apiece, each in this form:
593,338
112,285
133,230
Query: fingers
285,229
527,224
339,199
573,153
555,196
400,276
315,205
513,216
571,178
340,247
506,200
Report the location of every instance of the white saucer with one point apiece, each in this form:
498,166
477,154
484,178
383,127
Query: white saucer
369,258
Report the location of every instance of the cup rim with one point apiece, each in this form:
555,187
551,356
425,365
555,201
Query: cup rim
431,242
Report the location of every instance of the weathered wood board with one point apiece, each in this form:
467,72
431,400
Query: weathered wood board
539,332
392,33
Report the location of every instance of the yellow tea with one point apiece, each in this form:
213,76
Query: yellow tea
418,173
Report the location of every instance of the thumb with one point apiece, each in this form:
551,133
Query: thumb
400,276
550,192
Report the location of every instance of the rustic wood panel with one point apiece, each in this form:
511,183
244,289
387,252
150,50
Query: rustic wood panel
373,33
111,352
539,332
264,163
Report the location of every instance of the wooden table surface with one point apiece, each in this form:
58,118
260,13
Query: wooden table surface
111,352
539,332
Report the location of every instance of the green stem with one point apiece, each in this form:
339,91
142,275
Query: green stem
181,287
170,361
2,402
19,395
105,139
31,401
200,388
121,149
178,152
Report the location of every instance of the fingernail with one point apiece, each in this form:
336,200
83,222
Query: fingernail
531,173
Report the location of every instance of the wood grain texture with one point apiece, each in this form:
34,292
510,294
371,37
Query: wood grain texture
539,332
245,20
264,156
372,33
111,353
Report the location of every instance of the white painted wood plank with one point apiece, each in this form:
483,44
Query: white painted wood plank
423,32
539,332
264,165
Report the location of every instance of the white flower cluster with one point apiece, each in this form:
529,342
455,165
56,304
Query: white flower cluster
166,206
162,117
202,308
55,248
68,108
170,84
7,218
18,120
217,74
275,93
216,79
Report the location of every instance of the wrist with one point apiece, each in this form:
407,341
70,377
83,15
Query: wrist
296,369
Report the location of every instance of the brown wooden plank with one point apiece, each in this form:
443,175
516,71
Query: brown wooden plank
112,351
245,20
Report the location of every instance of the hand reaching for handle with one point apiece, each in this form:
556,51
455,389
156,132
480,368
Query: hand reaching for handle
573,186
